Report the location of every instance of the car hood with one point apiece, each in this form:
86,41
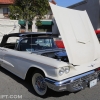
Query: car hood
76,30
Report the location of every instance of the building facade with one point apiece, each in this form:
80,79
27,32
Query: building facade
48,23
93,9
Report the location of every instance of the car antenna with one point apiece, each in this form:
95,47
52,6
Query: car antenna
31,43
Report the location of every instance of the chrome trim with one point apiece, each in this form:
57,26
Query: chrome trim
67,84
69,79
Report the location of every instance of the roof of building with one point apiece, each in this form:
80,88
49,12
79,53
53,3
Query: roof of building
12,2
78,4
52,1
7,1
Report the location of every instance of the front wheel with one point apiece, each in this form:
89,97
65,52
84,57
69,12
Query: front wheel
39,84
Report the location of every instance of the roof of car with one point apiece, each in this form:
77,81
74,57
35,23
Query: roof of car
26,34
29,34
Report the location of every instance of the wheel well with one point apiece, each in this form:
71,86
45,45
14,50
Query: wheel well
31,71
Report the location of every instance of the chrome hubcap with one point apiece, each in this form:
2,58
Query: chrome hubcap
40,83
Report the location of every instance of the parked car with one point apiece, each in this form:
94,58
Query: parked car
36,57
30,57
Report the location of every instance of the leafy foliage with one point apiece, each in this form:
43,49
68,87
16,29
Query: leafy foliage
29,9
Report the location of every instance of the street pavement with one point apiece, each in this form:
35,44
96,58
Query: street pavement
11,87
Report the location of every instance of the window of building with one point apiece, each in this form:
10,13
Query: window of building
5,10
45,28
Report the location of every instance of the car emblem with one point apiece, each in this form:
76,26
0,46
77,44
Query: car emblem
92,65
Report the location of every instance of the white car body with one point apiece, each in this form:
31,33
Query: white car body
81,44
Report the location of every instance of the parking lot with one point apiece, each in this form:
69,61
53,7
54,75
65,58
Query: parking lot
11,85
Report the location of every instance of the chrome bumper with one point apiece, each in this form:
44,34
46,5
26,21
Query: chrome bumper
73,84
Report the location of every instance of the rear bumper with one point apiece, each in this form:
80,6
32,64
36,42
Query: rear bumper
73,84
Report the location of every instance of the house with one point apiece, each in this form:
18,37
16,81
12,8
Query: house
4,11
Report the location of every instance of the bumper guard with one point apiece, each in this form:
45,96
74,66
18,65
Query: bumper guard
73,84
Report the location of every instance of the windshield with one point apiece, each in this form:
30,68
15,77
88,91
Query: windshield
33,44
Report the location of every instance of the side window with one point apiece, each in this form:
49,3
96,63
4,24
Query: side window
44,42
24,41
25,45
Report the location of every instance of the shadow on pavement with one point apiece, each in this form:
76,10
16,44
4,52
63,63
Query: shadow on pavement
28,85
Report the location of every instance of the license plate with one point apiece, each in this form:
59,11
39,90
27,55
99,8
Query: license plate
93,83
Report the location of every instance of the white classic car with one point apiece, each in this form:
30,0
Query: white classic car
36,57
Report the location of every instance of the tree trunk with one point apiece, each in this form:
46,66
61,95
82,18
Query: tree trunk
27,26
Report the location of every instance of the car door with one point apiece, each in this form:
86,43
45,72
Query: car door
5,63
15,61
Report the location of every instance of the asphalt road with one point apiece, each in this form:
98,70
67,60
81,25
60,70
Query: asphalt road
11,87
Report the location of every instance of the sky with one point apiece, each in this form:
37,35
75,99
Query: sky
65,3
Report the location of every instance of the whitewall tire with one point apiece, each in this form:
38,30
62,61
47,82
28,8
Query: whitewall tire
39,84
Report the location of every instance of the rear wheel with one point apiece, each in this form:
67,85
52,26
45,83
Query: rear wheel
39,84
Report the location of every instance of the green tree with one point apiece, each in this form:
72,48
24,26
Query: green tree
28,10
